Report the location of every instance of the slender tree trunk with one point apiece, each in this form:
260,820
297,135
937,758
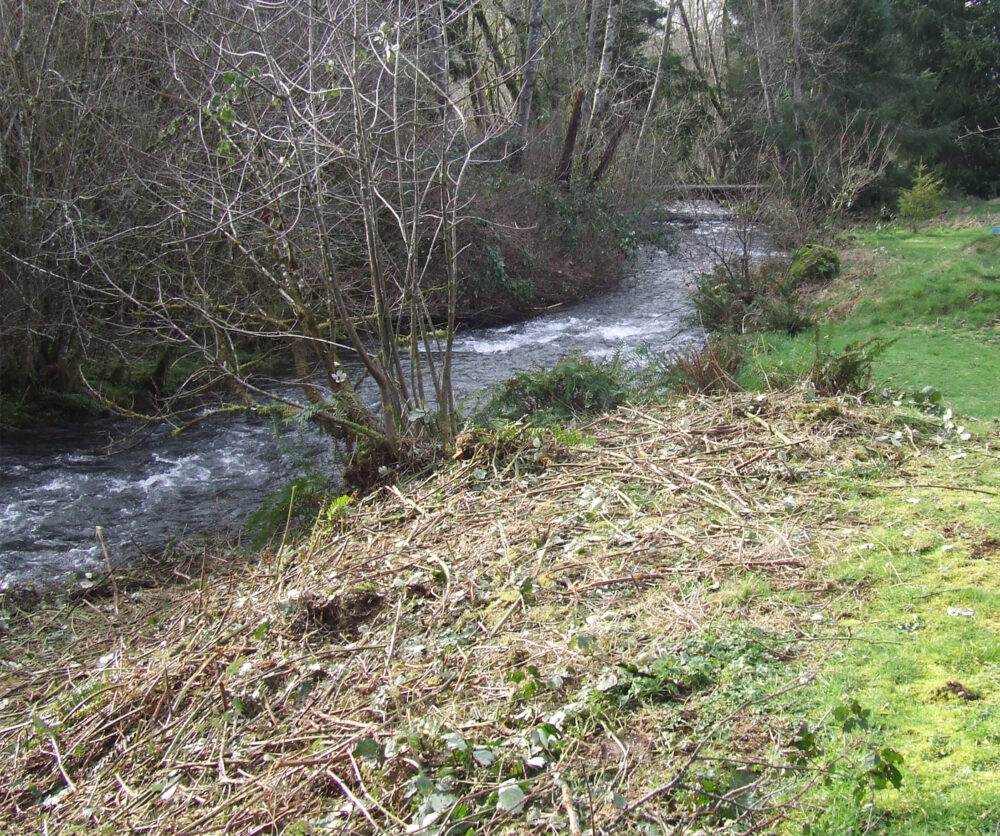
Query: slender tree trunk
477,94
494,48
609,153
603,73
797,96
797,51
528,89
713,94
710,45
762,49
476,80
763,63
592,17
658,79
565,172
439,55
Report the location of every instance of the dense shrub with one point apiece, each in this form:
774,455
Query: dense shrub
813,263
536,244
722,298
742,298
574,386
493,277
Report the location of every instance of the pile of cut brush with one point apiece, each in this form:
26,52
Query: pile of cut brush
521,641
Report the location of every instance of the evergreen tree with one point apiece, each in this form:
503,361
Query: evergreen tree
956,44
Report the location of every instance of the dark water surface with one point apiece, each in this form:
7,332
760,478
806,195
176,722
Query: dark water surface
57,485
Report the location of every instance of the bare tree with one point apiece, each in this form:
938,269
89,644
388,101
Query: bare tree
598,90
291,178
334,156
73,76
654,93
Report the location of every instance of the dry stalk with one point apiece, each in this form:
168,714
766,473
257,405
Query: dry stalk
231,697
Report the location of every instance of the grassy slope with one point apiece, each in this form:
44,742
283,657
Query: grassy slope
936,293
924,649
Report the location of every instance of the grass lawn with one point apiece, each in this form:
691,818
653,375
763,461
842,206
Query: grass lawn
924,650
934,294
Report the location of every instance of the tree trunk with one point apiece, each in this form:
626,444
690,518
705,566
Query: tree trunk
713,94
528,89
565,172
658,79
716,76
762,49
438,39
609,153
491,43
797,96
603,73
592,16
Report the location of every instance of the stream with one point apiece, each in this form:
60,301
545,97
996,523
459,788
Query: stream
57,485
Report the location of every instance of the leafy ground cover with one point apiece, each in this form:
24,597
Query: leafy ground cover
934,294
751,613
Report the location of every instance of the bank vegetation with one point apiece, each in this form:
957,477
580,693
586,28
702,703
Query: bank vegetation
658,621
192,189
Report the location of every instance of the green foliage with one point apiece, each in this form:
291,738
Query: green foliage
512,448
847,371
574,386
494,277
337,509
581,214
955,49
924,199
739,298
934,296
814,263
722,299
926,399
734,660
296,503
782,311
845,747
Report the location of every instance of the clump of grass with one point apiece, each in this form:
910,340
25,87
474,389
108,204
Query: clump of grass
707,368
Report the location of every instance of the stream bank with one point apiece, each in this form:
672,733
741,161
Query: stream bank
684,590
58,485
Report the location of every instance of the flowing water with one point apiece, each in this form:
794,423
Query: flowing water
58,485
